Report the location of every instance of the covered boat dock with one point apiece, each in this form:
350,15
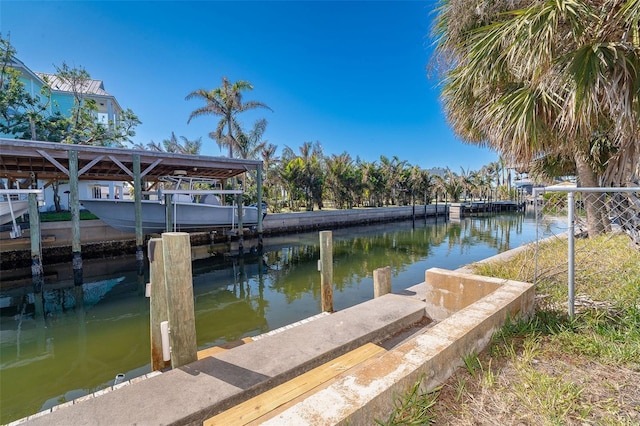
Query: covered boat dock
35,161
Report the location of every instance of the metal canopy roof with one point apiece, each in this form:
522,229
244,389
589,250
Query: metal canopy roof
50,161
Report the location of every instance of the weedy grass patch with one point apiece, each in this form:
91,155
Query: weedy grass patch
551,369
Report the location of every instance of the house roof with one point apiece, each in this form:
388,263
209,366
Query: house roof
91,87
50,161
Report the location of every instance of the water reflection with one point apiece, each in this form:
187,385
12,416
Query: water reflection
68,340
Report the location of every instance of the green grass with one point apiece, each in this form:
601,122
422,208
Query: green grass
65,216
551,369
413,408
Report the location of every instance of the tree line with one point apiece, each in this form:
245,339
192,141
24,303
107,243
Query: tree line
305,178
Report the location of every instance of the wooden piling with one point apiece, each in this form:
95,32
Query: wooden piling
326,270
259,188
240,225
158,302
74,207
178,280
137,195
36,244
168,217
381,281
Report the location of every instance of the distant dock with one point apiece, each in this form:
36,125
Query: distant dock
460,210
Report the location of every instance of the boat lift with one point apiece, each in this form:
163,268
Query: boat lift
17,210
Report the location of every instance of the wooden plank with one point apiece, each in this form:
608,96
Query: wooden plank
217,349
270,400
210,351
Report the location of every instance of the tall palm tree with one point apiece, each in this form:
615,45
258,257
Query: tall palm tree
269,164
250,145
532,79
224,102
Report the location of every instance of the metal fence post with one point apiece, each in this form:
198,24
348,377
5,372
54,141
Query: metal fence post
571,254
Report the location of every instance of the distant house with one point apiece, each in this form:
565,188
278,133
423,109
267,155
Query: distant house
109,109
62,101
62,98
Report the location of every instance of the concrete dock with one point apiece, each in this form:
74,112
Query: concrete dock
423,333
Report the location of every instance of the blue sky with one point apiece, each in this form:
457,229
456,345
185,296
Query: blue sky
349,74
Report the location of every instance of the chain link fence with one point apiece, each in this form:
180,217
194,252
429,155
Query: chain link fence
585,211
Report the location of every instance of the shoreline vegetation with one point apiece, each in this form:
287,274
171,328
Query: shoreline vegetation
549,369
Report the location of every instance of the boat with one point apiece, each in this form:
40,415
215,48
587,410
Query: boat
192,208
12,209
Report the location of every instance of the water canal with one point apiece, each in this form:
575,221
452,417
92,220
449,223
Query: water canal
69,341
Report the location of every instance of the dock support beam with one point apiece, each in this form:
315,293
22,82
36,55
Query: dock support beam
381,281
240,225
168,217
260,212
74,207
36,244
137,195
326,270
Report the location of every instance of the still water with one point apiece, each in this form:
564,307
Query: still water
69,340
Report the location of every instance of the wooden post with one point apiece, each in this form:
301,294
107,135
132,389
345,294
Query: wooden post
259,188
158,302
137,195
74,207
168,216
381,281
240,224
326,270
36,245
178,280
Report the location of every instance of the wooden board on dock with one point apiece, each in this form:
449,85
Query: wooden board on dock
272,399
217,349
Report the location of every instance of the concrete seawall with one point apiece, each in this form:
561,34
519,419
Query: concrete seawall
100,240
309,221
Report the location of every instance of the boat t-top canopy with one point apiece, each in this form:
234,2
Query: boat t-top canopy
20,159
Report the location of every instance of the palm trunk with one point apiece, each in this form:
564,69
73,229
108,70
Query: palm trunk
593,202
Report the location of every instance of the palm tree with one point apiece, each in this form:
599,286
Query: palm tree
452,185
374,182
341,179
250,146
225,102
270,163
304,173
172,144
568,75
393,170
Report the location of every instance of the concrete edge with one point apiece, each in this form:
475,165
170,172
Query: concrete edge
369,392
506,255
374,336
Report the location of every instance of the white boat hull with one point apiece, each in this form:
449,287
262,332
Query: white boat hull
120,214
19,207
